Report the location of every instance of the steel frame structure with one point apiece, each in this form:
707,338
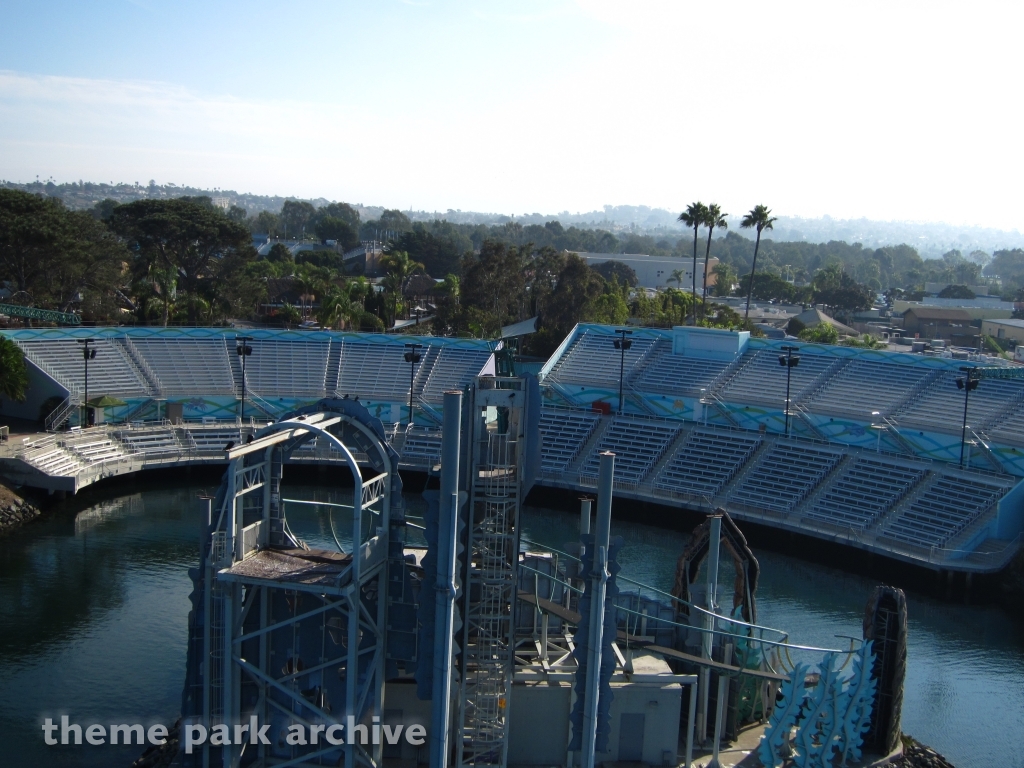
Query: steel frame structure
296,651
488,642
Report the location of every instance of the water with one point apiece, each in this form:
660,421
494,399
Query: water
95,607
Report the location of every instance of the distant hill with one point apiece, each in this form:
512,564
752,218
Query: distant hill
930,239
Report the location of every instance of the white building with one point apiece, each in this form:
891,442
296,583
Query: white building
656,271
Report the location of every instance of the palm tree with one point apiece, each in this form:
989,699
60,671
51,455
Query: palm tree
399,267
760,217
694,216
715,218
677,276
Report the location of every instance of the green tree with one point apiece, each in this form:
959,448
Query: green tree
279,254
713,217
956,292
55,258
398,268
725,277
13,373
334,228
694,216
822,333
296,215
760,218
186,236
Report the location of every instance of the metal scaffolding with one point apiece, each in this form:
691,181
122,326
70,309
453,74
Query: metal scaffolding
496,488
287,634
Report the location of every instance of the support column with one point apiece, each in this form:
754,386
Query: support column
597,588
445,586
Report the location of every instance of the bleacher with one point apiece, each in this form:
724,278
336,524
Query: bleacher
677,374
761,380
858,389
563,434
706,461
279,368
593,360
863,491
110,372
784,476
453,369
637,445
376,371
943,510
188,366
151,443
94,447
1008,428
422,447
941,403
52,459
214,439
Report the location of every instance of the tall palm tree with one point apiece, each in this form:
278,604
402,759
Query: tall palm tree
677,276
694,216
760,218
714,218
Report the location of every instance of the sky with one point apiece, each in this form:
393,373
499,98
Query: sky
886,110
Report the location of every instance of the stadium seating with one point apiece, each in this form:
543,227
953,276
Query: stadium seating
150,442
110,372
422,447
761,380
637,446
593,360
377,371
706,461
941,405
943,510
186,366
452,369
280,368
1008,428
857,391
677,374
862,492
784,476
563,434
94,447
213,440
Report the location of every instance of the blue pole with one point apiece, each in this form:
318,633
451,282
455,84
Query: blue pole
444,594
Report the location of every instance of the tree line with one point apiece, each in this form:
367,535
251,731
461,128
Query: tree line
185,261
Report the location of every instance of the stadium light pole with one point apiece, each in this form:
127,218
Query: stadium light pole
87,355
622,343
789,361
243,350
970,381
412,357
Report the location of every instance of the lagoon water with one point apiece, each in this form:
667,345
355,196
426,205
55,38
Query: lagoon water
94,608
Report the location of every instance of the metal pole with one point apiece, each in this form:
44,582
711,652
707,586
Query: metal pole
241,411
963,429
444,595
689,724
789,372
87,388
412,380
597,589
723,693
622,369
707,640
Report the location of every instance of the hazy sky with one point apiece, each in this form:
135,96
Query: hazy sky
891,110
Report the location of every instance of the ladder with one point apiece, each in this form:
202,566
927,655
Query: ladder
488,628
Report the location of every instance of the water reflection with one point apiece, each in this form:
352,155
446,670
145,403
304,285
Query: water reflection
95,606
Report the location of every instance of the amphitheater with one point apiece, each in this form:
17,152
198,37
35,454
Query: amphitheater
872,459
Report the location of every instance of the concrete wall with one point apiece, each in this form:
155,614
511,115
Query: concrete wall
40,387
